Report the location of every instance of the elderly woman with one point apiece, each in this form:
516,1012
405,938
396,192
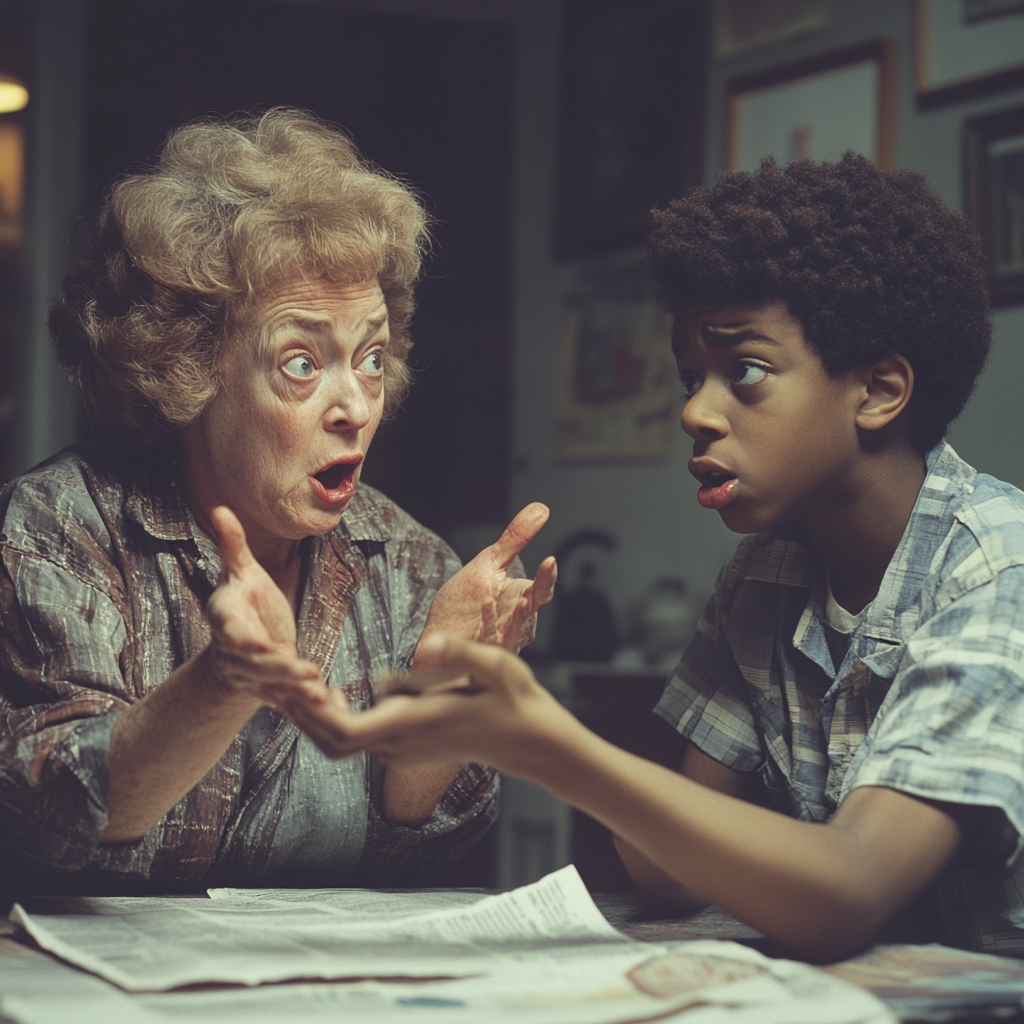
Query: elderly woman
236,328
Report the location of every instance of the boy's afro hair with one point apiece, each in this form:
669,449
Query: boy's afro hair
871,262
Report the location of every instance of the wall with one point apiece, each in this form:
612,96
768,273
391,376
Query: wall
652,508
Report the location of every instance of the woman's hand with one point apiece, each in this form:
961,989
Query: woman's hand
501,716
486,600
252,651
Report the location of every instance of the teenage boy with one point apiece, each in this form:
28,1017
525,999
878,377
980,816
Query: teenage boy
863,654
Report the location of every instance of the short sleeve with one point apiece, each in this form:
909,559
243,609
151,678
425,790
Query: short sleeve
706,699
952,725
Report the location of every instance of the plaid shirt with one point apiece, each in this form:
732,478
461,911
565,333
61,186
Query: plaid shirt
103,584
929,699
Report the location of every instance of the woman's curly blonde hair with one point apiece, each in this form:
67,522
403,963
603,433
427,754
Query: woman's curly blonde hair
181,250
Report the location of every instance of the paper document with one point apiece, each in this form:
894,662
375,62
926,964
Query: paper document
149,944
542,954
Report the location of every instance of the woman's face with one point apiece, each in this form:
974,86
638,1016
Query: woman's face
302,390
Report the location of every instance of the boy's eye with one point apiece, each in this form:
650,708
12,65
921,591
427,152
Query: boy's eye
690,381
300,366
373,363
749,373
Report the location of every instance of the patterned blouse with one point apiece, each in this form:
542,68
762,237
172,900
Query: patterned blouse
103,584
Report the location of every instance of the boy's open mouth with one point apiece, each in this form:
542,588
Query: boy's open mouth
717,490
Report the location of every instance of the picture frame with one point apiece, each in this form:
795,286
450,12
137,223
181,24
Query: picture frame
742,25
617,397
631,123
965,49
816,108
994,197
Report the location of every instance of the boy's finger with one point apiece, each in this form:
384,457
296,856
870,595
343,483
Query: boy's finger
485,663
523,528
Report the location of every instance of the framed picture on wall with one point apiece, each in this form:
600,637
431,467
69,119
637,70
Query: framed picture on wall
631,117
967,48
816,108
618,386
994,179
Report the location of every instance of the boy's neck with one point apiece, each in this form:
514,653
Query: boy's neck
859,540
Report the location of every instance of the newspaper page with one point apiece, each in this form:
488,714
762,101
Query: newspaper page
708,982
936,982
542,954
151,944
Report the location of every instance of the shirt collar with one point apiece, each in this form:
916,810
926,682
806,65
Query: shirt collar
785,558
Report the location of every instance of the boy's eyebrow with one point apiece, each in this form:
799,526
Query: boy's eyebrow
729,336
722,336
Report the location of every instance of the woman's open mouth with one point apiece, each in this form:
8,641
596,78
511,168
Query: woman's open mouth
336,482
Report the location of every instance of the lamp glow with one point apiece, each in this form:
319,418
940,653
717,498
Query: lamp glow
13,95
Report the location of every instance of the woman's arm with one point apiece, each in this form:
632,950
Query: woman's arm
486,601
163,745
823,890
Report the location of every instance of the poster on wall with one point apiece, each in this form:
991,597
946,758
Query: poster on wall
816,108
994,176
967,48
618,391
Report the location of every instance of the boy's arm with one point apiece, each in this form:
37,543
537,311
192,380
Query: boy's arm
653,880
821,889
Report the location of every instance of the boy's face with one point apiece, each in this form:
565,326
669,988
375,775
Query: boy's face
774,436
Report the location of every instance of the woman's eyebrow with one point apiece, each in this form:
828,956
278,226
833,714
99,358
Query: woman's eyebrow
313,324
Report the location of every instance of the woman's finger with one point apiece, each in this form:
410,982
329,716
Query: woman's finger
523,528
235,555
543,588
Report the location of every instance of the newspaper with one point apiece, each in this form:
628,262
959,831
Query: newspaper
935,982
151,944
542,954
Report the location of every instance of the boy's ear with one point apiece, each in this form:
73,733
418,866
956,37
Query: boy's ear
888,386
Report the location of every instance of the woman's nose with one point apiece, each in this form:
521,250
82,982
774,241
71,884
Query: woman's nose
350,405
702,415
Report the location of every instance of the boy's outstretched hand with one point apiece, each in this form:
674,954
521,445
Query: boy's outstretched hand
492,710
488,600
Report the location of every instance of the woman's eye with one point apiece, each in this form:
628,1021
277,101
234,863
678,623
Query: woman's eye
691,383
750,373
373,363
300,366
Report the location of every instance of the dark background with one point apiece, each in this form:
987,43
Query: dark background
428,100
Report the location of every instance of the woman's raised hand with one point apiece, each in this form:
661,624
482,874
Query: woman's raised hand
252,651
488,600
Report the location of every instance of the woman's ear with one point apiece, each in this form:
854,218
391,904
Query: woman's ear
888,386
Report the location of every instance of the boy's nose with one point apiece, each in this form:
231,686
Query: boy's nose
701,417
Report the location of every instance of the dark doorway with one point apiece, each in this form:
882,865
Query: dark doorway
430,101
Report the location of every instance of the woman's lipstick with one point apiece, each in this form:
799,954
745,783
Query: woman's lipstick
335,483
